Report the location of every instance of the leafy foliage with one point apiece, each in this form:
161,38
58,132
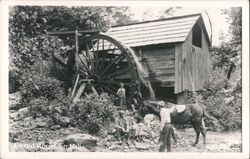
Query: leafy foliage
29,44
224,56
39,107
222,93
93,113
235,24
221,102
36,85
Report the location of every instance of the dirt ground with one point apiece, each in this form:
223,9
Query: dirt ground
25,132
216,142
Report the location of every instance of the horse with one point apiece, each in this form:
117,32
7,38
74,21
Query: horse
193,114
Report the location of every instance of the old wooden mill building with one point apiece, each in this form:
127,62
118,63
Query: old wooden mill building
175,52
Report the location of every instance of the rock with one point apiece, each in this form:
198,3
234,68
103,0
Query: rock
111,138
66,132
41,122
55,127
20,114
114,147
142,146
23,112
228,100
149,118
12,135
15,100
57,142
58,110
108,144
14,115
84,140
103,133
64,121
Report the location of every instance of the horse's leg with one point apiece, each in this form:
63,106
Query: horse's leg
197,130
203,131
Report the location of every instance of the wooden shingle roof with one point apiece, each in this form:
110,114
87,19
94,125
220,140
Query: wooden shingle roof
170,30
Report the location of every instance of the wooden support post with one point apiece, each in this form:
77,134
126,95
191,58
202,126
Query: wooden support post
78,94
74,89
77,48
180,98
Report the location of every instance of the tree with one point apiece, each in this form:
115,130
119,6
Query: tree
222,93
169,12
28,42
227,55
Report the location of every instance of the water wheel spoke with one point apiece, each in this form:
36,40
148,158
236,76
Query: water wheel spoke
116,83
96,56
107,62
117,73
108,89
119,58
101,90
104,57
117,62
84,65
110,58
112,87
83,72
89,57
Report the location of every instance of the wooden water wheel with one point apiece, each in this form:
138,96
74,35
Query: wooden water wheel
104,63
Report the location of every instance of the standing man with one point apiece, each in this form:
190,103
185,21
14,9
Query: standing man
122,96
166,128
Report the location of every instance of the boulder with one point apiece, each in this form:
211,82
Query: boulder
14,115
84,140
23,112
20,114
142,146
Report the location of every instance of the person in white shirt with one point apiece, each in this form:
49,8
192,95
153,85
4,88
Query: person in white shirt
121,93
166,128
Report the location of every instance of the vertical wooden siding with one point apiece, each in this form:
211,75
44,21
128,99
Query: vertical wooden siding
193,59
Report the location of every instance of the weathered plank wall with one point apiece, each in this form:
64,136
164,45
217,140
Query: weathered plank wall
160,63
189,58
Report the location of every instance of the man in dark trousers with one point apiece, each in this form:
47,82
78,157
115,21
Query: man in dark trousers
166,128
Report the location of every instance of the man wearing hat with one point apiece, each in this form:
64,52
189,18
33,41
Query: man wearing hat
166,128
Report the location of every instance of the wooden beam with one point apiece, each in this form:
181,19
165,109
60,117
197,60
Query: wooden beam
72,32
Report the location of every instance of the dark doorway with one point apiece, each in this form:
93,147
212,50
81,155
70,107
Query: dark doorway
166,94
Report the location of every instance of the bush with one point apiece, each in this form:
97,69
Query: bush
221,102
14,76
36,86
93,113
39,107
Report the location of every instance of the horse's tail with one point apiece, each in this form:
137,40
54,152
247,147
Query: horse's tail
213,119
205,114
